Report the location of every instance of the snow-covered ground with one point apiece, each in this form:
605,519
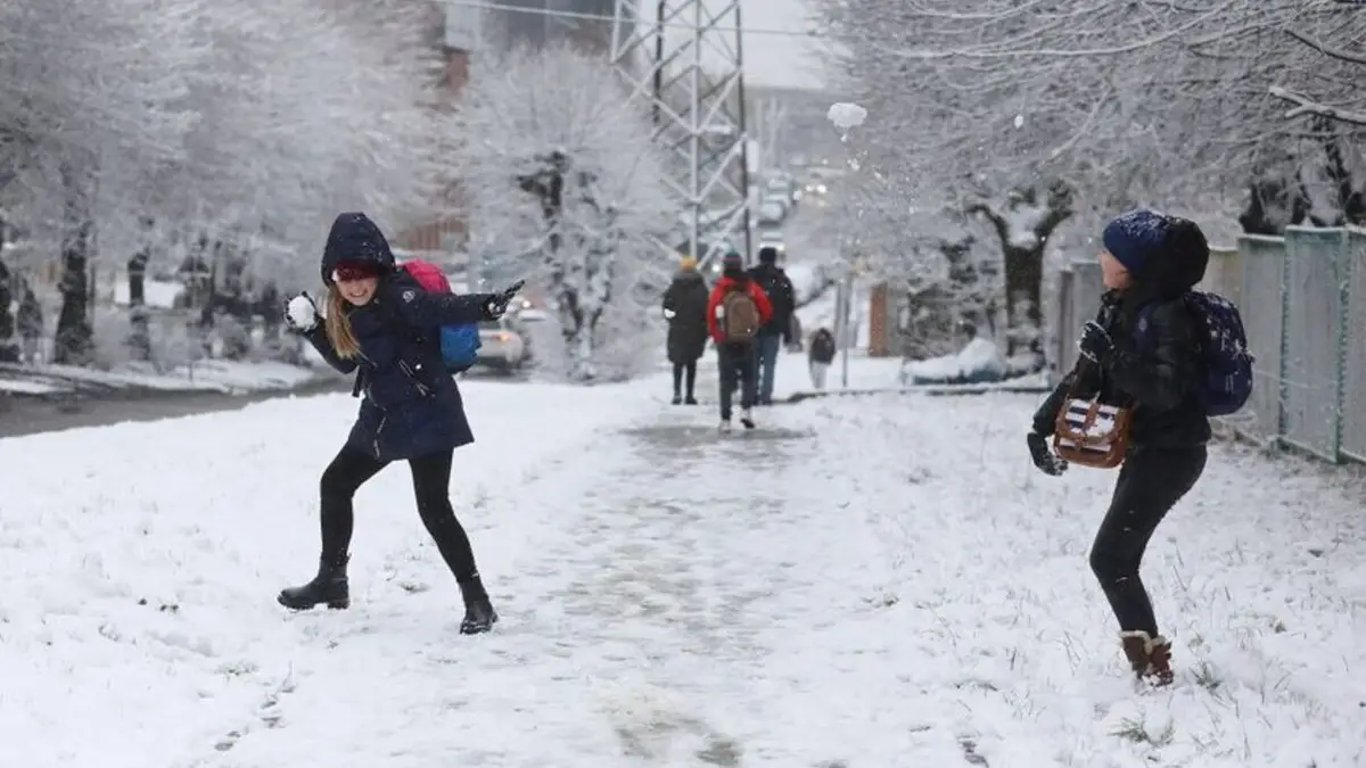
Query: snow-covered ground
204,375
878,581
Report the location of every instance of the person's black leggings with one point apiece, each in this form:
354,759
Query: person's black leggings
1150,483
679,370
431,484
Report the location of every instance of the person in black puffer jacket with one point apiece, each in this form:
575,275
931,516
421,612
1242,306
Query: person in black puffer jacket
382,322
685,307
1141,350
778,330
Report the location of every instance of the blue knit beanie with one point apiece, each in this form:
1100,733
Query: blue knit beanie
1136,237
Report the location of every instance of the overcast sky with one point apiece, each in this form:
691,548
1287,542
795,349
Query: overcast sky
776,59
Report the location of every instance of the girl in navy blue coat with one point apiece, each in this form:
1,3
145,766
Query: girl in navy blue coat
381,324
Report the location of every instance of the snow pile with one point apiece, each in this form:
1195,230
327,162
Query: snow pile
808,281
209,375
980,361
157,294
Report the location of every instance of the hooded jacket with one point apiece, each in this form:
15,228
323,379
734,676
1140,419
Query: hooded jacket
687,298
778,287
411,406
1155,368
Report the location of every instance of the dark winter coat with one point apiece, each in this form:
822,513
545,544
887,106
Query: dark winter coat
687,299
411,406
822,346
776,285
1158,370
30,317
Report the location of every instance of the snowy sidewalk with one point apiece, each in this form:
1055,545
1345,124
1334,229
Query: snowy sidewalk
880,581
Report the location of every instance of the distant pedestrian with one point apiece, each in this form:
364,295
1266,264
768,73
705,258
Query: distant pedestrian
777,328
821,355
736,311
30,324
685,307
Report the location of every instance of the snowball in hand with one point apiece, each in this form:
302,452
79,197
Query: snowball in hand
302,313
845,115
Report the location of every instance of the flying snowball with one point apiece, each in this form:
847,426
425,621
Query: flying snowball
845,115
1019,121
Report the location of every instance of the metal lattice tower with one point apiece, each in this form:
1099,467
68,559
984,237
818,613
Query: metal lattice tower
699,115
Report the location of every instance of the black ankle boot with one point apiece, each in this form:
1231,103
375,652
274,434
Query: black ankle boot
329,586
479,613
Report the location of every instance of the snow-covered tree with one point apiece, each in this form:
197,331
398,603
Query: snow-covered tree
564,187
240,126
1036,115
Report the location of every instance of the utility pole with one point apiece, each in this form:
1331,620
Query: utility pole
699,114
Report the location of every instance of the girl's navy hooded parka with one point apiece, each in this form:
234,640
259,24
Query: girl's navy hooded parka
412,407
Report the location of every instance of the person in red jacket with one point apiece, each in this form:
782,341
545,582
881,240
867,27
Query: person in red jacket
736,310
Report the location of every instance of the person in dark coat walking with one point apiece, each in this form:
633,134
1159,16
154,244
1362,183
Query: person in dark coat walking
777,329
1149,263
30,323
382,324
822,354
685,307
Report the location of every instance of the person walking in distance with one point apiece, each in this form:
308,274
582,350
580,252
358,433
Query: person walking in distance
685,307
736,311
821,355
383,324
1143,349
777,329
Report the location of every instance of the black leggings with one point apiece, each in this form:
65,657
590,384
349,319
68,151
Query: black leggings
431,484
1150,483
691,370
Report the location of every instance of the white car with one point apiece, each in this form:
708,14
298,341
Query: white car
501,347
772,212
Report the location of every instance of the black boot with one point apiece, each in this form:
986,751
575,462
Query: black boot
329,586
479,613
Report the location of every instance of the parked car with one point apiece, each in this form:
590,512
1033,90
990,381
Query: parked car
772,212
501,346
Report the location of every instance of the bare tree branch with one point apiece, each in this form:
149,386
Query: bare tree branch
1307,107
1325,50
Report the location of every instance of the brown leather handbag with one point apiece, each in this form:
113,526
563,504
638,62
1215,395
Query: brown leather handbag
1092,433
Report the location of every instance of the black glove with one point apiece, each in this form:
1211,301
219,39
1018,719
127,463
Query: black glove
497,304
1048,462
1095,343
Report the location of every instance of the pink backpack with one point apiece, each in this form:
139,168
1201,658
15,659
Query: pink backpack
459,343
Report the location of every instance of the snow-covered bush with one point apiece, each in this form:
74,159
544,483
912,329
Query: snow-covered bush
564,188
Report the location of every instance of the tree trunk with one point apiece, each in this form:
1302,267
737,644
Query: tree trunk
9,346
1024,266
75,343
139,336
1024,308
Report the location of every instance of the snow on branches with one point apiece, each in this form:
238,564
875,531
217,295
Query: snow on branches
565,187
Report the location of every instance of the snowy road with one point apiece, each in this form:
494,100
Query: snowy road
873,581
